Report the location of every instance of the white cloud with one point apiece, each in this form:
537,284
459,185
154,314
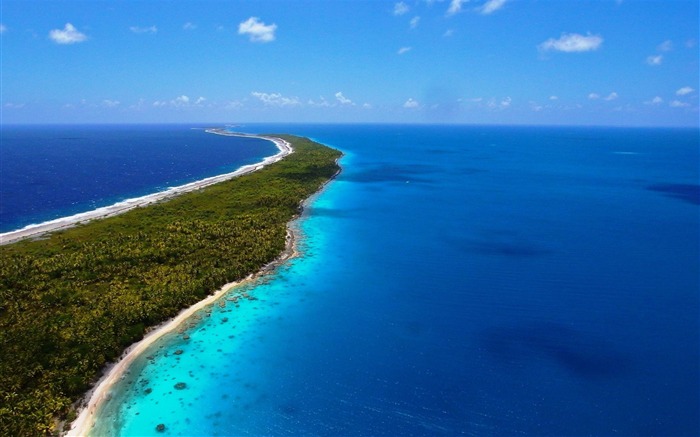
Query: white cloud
655,101
553,97
182,101
503,104
275,99
322,103
678,104
149,29
572,42
233,104
257,30
342,99
69,35
492,6
612,96
11,105
3,28
401,8
685,90
189,26
403,50
455,7
665,46
110,103
655,59
367,106
138,105
414,22
448,33
593,96
410,103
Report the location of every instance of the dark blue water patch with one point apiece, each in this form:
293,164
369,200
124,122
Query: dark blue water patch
415,173
516,247
686,192
581,353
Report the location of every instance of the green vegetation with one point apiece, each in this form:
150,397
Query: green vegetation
74,301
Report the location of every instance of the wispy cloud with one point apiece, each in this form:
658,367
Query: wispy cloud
342,99
655,101
69,35
491,6
410,103
322,103
678,104
257,31
181,101
403,50
572,42
189,26
414,22
499,104
455,7
610,97
110,103
149,29
655,59
553,98
448,33
666,46
3,28
685,90
275,99
401,8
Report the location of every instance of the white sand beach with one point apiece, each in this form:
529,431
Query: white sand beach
38,230
100,393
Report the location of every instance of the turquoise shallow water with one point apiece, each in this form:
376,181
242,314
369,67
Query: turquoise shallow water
458,281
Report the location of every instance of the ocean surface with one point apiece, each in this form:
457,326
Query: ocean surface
48,172
456,280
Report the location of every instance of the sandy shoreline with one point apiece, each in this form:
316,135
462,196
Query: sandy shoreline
38,230
83,424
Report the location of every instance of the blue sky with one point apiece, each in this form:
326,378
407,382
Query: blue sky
562,62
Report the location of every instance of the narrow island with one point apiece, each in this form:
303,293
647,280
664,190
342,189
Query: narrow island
74,300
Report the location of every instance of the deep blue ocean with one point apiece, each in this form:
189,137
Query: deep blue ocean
457,280
48,172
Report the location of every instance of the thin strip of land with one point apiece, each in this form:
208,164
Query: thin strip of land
41,229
